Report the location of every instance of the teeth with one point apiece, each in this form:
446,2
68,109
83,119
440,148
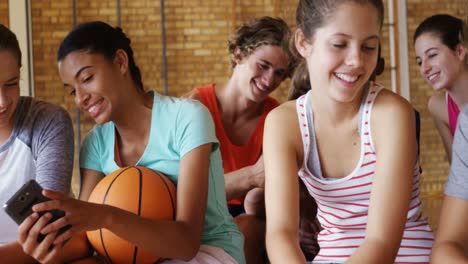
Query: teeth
91,109
432,77
3,110
260,87
345,77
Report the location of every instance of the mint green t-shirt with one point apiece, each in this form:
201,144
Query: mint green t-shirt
177,127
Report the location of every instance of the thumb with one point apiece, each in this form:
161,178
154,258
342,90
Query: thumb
54,195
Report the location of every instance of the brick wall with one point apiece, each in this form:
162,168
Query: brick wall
197,33
4,12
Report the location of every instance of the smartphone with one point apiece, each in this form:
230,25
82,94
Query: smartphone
19,206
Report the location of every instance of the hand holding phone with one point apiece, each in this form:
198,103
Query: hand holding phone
19,206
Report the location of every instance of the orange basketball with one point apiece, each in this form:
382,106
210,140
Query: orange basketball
141,191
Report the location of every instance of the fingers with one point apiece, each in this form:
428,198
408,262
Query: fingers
55,225
65,236
42,250
30,241
47,206
55,203
23,229
54,195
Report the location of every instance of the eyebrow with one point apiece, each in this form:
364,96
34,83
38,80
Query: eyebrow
428,50
81,70
77,74
349,36
269,64
13,79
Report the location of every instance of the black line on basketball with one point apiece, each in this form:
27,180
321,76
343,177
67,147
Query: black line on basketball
103,202
140,191
170,195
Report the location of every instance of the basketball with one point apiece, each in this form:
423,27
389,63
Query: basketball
139,190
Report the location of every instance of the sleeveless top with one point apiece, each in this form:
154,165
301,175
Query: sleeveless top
453,113
234,156
343,204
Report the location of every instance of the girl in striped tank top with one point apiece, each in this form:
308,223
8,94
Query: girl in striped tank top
352,144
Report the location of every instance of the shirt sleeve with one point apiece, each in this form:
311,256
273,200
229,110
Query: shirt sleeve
457,183
194,127
89,152
54,148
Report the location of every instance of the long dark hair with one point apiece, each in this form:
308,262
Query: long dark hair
101,38
8,41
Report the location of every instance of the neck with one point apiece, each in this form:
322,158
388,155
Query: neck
133,121
233,103
5,132
332,111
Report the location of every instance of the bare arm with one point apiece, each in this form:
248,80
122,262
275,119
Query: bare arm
239,182
438,109
393,130
181,238
89,179
281,185
451,245
178,239
13,253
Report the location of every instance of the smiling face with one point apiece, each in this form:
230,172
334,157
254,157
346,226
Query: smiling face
9,89
439,65
261,72
95,83
343,52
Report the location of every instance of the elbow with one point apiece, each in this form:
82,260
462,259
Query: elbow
190,248
189,252
448,252
386,249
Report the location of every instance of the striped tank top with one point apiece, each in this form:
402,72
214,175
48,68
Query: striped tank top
343,203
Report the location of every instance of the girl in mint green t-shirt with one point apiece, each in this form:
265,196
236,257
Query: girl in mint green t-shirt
138,128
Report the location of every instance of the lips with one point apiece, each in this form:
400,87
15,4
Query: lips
347,78
95,109
261,87
431,77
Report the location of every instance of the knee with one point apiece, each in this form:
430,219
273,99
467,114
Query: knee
254,202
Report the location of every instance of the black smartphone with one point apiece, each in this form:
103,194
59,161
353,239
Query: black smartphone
19,206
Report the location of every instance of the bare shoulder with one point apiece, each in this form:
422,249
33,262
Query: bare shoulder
391,105
193,94
282,122
284,114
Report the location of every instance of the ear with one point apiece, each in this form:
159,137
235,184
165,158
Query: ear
303,45
238,56
121,60
460,51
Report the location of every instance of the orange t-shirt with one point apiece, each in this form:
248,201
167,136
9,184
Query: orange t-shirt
235,157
